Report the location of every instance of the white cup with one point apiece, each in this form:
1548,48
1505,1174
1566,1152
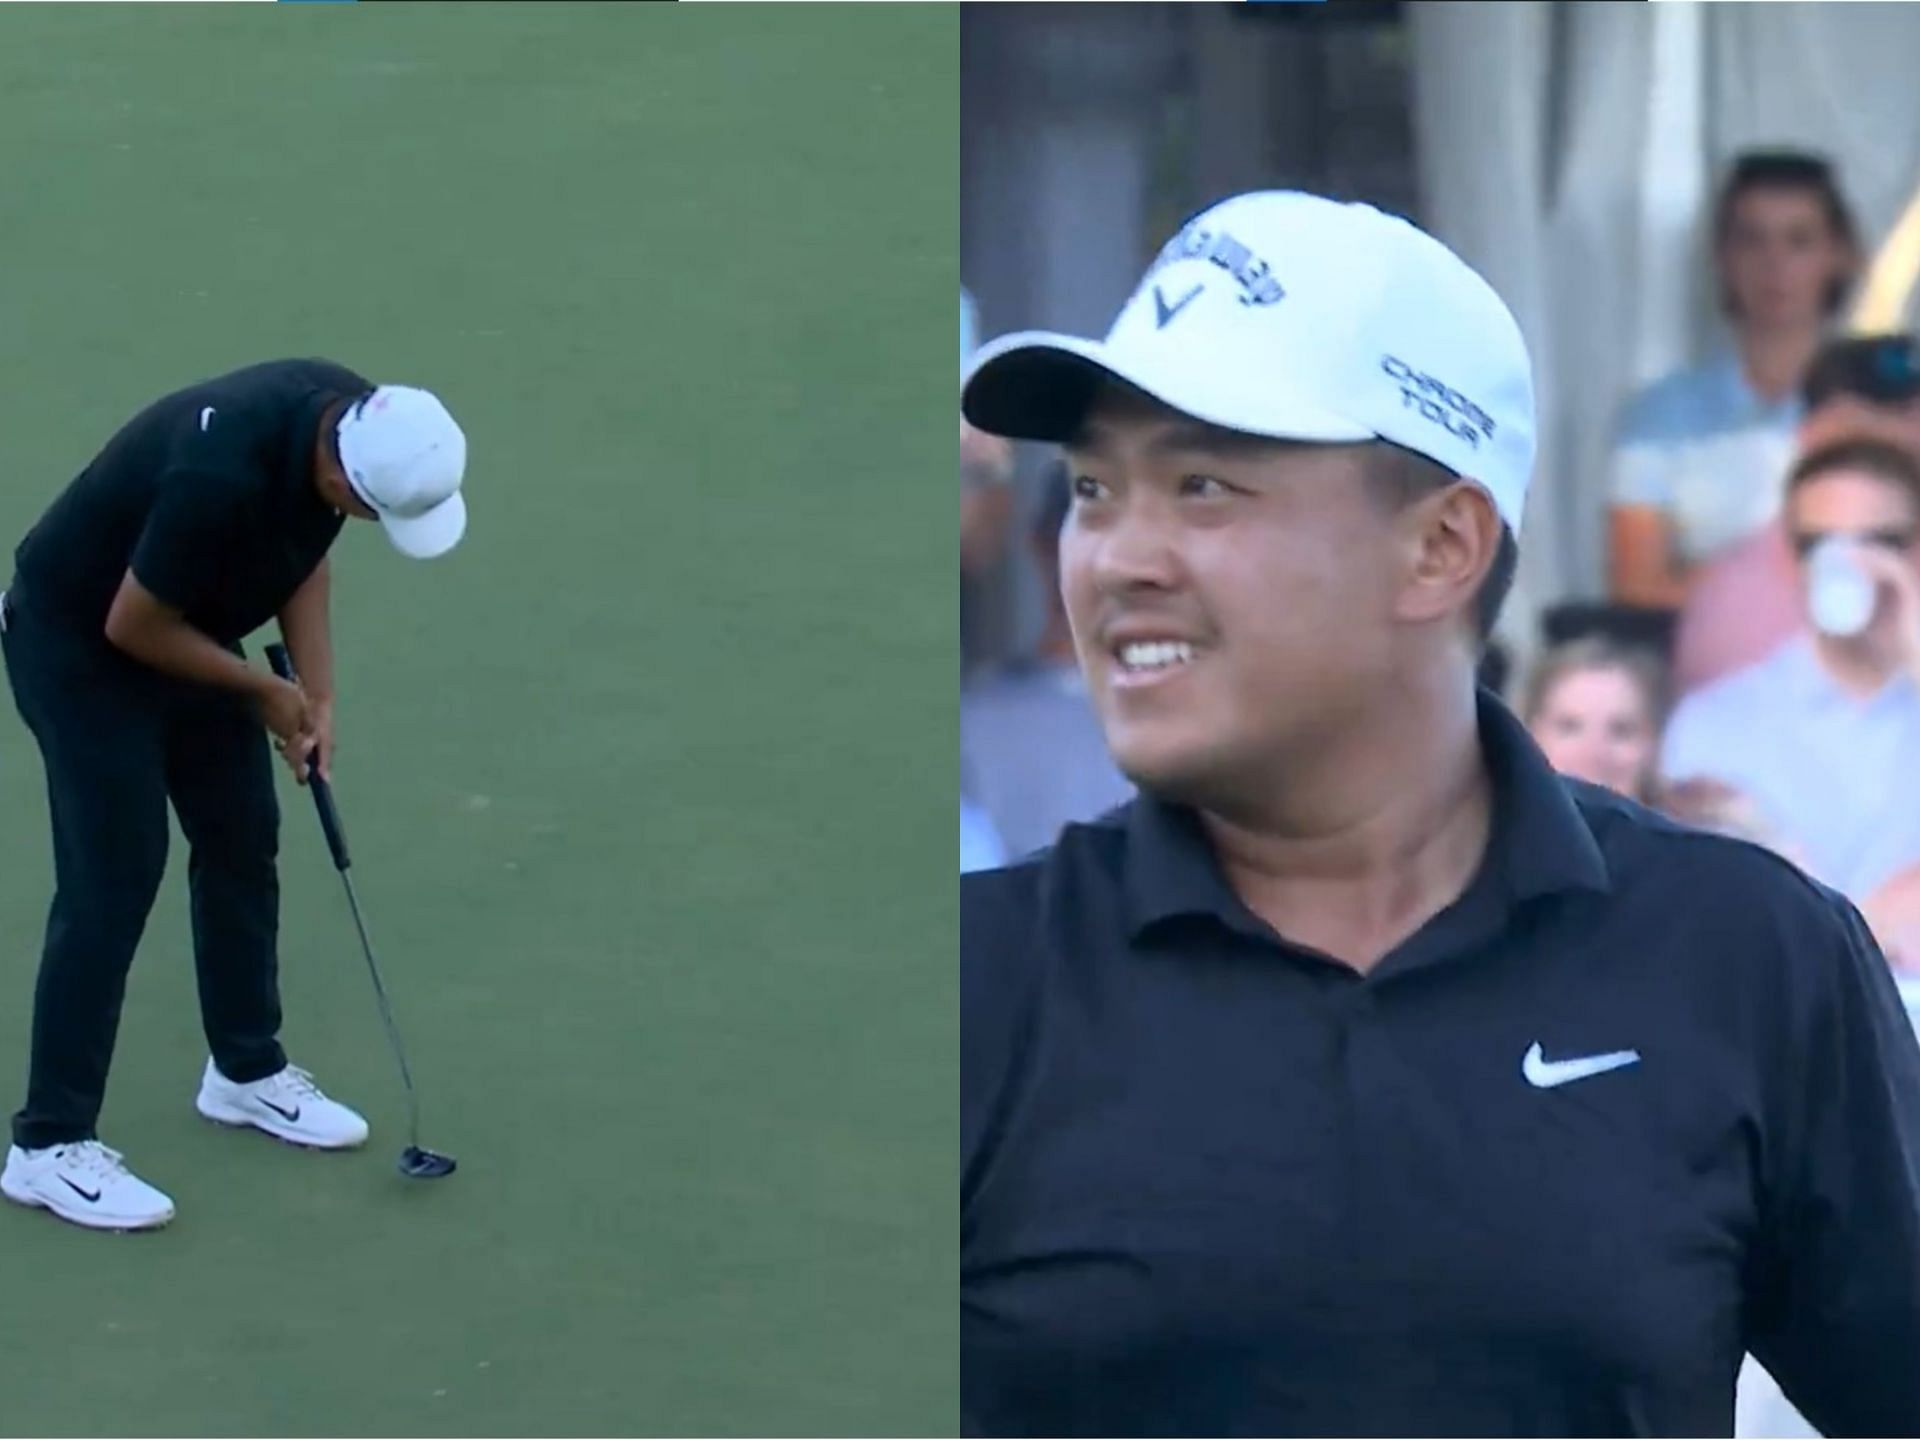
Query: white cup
1840,593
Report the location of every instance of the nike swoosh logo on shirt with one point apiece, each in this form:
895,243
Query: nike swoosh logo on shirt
206,419
1545,1074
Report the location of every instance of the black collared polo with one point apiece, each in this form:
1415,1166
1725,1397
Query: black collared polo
1642,1099
207,494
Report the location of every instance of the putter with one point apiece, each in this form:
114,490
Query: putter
416,1162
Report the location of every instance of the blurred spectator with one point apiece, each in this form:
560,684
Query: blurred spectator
986,498
1717,806
980,847
1742,606
1699,456
986,474
1596,710
1747,602
1824,734
1864,387
1030,740
1893,911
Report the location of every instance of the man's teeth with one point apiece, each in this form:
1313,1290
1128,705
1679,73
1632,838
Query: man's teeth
1155,654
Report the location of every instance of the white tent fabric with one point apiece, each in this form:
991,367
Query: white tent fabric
1569,152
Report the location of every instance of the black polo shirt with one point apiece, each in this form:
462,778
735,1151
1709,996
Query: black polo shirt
1215,1183
207,495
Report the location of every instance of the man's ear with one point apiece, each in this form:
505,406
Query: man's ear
1452,538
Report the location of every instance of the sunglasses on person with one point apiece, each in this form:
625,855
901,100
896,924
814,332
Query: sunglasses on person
1886,538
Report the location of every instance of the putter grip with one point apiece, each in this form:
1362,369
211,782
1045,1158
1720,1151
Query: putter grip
282,664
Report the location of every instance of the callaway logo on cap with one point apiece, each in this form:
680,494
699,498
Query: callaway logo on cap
405,457
1292,316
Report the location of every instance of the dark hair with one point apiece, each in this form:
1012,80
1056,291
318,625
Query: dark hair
1400,477
1597,652
1884,369
1800,170
1873,457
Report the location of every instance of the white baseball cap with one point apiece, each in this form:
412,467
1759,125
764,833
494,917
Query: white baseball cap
1288,315
405,457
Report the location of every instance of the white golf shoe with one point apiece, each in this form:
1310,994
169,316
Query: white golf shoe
288,1106
84,1182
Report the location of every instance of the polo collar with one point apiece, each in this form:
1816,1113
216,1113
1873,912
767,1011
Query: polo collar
1540,843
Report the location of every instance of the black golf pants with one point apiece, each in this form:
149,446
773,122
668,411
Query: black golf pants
119,742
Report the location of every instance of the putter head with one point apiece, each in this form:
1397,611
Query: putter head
418,1164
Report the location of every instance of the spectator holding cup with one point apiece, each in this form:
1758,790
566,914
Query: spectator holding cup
1746,602
1824,733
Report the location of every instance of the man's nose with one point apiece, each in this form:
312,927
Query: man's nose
1138,549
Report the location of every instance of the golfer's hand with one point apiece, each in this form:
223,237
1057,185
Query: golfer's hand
284,711
311,751
318,753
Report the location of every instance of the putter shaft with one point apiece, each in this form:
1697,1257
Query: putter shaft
386,1012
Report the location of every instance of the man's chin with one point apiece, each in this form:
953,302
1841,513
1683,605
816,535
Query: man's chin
1185,774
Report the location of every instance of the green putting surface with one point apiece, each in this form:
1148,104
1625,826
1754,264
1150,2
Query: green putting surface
649,786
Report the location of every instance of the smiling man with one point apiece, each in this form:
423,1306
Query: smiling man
1363,1076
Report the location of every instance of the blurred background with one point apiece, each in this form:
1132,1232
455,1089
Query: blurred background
1706,219
1570,152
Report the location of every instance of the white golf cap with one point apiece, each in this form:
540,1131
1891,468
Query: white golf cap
1288,315
405,457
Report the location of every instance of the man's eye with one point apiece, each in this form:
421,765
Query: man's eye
1206,487
1085,487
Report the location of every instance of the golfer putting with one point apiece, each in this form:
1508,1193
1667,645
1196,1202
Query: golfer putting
206,516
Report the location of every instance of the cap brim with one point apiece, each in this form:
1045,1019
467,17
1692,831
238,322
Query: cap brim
1037,385
424,537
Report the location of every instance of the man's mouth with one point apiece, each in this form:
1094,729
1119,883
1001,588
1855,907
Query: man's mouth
1145,662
